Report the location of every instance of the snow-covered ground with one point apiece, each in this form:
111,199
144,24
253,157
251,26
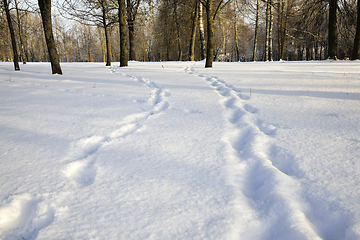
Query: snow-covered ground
172,150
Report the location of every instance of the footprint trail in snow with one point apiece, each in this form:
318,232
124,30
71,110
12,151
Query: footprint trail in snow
264,177
23,216
80,167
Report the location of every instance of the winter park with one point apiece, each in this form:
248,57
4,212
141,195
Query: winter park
173,150
180,119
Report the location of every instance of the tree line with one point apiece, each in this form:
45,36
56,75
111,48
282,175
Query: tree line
178,30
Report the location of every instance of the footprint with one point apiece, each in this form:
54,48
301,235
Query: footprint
125,130
283,161
250,108
268,129
241,142
82,172
214,83
136,117
230,102
85,147
155,97
243,96
81,167
160,107
24,216
236,116
223,91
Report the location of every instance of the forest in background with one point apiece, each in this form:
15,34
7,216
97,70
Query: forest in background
177,30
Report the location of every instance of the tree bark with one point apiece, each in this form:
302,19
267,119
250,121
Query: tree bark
107,35
267,16
22,50
281,28
332,38
131,10
256,29
12,35
45,10
101,38
193,32
202,32
132,54
123,34
210,34
236,33
271,16
130,23
177,31
356,49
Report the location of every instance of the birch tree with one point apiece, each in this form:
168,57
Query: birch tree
202,32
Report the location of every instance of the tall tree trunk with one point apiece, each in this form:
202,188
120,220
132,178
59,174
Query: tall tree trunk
281,28
123,34
177,31
356,49
267,16
107,43
22,51
332,38
236,33
131,10
101,37
210,34
256,29
12,35
89,44
223,42
193,32
271,16
179,46
107,34
45,10
202,32
132,54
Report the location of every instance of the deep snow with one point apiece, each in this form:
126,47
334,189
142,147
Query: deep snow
172,150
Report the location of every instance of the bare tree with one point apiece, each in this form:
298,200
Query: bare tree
356,49
100,13
123,34
332,39
22,51
132,7
195,19
256,29
12,35
202,32
236,32
210,18
45,10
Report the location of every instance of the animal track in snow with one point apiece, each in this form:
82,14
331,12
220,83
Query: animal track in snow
23,216
263,172
81,157
80,167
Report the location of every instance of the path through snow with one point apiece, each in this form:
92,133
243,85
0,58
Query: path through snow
175,151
